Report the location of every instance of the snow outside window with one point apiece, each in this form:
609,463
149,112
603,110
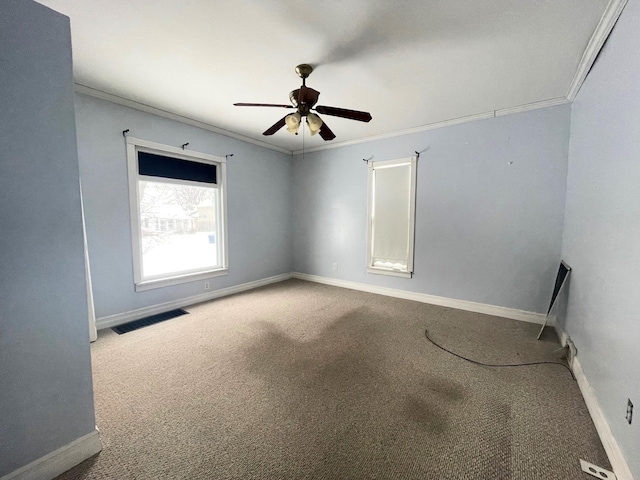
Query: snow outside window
391,217
178,214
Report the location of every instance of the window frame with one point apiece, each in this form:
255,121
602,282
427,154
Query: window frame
372,166
134,145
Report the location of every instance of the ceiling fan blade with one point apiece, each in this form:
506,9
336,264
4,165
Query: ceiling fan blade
275,127
326,133
344,113
281,105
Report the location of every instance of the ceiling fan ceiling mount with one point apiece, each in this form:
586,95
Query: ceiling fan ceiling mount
304,70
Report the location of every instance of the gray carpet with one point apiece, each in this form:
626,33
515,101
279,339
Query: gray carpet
305,381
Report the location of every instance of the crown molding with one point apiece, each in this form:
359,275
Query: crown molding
602,31
399,133
110,97
552,102
79,88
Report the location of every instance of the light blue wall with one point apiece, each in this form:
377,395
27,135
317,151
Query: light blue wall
46,397
486,231
602,229
258,197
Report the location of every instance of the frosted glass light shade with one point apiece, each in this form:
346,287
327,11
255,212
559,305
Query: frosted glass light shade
314,122
293,123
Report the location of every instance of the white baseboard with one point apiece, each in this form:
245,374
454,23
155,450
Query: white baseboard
125,317
618,462
60,460
497,311
562,335
121,318
609,442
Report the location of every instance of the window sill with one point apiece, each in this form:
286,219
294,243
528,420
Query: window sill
191,277
392,273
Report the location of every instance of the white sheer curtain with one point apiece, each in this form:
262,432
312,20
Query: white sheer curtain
391,222
391,216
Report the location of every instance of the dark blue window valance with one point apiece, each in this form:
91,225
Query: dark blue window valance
153,165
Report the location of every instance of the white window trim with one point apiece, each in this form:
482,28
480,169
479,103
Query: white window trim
412,211
133,146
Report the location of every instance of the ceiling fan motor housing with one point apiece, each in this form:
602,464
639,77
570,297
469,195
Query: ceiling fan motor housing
304,98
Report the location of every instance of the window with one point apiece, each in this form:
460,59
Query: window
178,214
391,216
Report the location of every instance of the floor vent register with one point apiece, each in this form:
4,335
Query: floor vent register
145,322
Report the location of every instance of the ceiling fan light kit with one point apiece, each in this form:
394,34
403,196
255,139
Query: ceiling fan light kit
304,100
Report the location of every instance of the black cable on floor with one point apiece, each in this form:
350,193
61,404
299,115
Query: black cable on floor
426,333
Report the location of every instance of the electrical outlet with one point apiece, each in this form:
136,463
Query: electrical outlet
596,471
206,285
629,415
335,266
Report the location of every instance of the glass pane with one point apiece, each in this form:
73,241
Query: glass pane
179,228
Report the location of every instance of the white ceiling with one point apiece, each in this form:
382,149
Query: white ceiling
411,63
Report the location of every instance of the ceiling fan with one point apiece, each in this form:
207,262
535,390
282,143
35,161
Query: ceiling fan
304,100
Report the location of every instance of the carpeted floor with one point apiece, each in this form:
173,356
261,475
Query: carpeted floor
305,381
